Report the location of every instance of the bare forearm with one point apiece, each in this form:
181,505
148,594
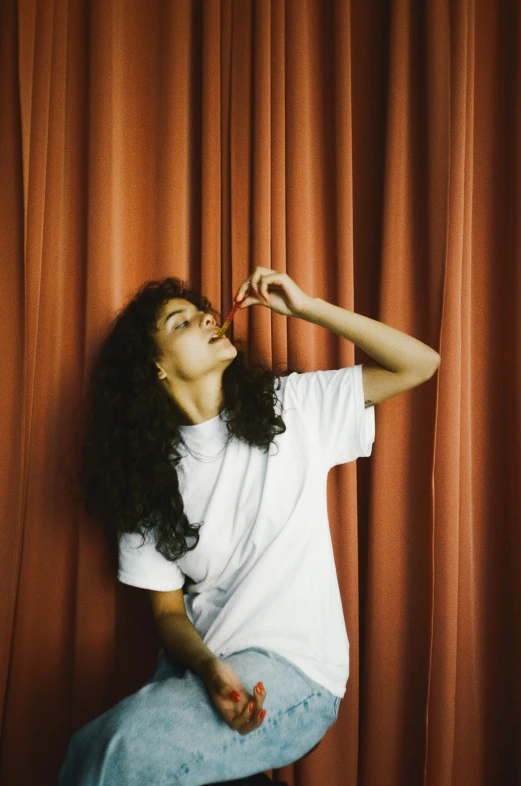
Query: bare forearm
183,641
392,349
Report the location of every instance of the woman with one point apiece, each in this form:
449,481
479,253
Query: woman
210,476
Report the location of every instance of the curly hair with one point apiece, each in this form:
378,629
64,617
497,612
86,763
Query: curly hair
129,445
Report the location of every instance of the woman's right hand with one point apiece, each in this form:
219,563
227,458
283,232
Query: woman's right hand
231,699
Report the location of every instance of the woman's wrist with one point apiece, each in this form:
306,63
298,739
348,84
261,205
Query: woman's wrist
204,668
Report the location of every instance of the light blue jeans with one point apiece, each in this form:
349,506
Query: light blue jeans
169,733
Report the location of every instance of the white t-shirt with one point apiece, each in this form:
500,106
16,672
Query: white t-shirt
263,573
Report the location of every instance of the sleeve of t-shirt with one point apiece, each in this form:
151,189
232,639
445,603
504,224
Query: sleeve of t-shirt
143,566
332,403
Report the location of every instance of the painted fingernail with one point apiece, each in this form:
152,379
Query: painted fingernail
251,707
262,714
261,687
235,696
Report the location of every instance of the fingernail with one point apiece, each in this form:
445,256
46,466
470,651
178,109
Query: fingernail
262,714
235,696
261,687
251,707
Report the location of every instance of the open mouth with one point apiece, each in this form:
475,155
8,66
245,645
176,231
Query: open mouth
215,337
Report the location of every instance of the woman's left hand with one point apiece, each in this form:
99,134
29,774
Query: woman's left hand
273,289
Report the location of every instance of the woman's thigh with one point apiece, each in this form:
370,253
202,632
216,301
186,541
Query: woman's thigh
170,733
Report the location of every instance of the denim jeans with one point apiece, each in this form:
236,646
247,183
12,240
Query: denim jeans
169,733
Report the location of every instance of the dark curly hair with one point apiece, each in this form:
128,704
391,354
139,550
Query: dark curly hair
130,432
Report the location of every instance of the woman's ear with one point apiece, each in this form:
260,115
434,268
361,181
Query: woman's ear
161,371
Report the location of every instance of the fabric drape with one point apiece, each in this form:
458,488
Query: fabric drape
371,151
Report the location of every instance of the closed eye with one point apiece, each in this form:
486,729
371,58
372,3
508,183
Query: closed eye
187,322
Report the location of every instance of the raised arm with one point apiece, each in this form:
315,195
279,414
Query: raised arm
402,362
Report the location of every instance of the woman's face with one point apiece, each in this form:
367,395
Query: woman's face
183,339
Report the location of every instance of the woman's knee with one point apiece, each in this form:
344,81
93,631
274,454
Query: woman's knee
115,727
120,740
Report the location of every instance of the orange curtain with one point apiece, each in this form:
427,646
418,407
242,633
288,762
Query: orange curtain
371,151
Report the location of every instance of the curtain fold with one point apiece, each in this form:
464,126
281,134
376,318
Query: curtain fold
371,151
